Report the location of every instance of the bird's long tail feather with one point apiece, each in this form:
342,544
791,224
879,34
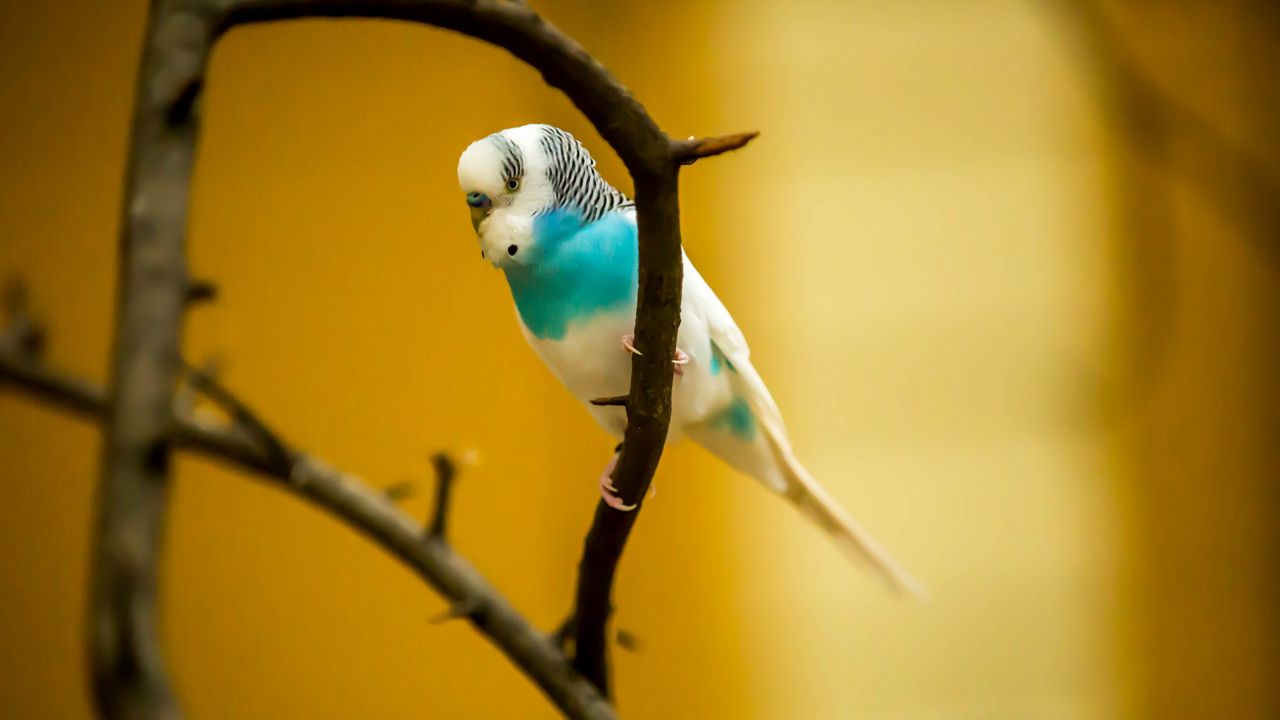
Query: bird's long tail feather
816,503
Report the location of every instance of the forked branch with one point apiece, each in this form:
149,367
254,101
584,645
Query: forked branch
255,448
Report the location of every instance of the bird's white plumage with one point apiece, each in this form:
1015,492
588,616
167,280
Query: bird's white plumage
591,363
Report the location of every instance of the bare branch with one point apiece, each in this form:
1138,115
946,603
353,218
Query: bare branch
361,508
201,291
63,391
628,641
1150,119
467,608
446,471
398,492
563,635
687,152
22,333
129,677
280,457
618,401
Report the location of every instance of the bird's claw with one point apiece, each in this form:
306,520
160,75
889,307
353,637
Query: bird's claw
681,359
615,502
609,493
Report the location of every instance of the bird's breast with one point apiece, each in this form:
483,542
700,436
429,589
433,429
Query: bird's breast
588,358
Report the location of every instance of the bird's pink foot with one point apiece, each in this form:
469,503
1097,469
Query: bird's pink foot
681,359
608,491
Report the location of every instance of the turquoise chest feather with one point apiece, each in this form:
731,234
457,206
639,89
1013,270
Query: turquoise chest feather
575,271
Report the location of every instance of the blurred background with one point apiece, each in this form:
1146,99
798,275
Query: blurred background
1011,268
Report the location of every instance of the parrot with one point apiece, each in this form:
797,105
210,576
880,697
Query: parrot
567,243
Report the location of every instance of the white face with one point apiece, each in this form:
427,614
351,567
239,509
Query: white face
504,179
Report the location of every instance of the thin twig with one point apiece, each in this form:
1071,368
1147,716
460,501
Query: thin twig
22,333
467,608
687,152
399,492
361,508
446,471
280,456
201,291
616,401
563,635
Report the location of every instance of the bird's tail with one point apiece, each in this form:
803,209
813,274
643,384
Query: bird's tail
813,501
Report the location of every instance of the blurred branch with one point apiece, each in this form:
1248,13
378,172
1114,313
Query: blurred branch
251,445
126,663
1170,143
1149,118
446,470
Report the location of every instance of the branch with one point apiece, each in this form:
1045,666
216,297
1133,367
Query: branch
687,152
1150,118
278,455
615,401
358,506
446,470
128,673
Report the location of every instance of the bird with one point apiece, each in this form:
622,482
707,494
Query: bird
567,243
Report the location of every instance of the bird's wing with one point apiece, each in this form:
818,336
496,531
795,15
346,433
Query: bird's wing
797,485
729,340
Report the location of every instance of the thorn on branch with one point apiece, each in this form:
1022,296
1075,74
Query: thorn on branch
618,401
563,636
278,455
200,291
186,104
184,400
15,297
399,492
446,470
687,152
465,608
628,641
23,333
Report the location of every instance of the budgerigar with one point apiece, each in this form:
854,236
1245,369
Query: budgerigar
567,242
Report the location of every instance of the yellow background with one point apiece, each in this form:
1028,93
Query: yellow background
1036,364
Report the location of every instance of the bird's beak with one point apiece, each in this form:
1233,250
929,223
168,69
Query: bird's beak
478,215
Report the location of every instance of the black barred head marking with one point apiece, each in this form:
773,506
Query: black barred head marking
513,177
512,158
572,173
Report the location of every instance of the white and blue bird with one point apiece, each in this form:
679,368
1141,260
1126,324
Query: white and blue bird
566,241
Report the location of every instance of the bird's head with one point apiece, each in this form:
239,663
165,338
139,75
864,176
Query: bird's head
515,179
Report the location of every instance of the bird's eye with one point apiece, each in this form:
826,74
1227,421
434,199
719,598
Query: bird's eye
513,184
477,199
